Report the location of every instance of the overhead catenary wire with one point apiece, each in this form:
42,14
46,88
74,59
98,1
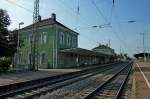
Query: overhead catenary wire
121,31
112,10
72,10
78,8
144,25
84,21
77,12
20,6
105,19
99,11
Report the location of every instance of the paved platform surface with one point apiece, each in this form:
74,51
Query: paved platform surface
31,75
141,80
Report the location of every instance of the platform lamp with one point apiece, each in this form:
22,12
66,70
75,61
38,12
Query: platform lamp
18,44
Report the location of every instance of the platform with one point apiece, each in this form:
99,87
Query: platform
141,81
42,73
31,75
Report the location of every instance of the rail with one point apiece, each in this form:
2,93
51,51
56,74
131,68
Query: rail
11,90
90,95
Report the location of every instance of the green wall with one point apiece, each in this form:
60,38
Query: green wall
64,60
49,48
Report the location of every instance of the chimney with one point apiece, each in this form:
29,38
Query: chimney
53,16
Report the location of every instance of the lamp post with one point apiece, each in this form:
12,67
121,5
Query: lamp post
143,40
18,43
148,52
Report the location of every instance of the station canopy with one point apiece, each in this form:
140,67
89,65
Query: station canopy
141,55
81,51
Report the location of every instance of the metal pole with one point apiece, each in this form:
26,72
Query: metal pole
34,43
18,37
53,52
143,36
148,54
56,47
148,57
18,47
109,43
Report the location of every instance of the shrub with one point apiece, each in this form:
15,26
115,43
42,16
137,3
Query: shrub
4,64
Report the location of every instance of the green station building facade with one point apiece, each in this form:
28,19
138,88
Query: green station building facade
53,36
57,47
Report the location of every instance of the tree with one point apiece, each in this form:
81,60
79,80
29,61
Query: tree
7,48
4,22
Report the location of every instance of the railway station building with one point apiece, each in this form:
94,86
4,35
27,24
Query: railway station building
58,47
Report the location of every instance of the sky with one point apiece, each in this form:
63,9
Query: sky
124,36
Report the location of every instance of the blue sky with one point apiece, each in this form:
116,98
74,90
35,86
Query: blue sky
123,35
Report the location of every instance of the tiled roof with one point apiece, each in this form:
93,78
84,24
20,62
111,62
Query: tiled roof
47,22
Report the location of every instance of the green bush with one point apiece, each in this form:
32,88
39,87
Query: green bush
4,64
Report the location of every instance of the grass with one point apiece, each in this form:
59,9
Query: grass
7,72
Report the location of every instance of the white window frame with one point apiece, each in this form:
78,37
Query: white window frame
61,38
45,61
28,58
68,40
74,41
44,37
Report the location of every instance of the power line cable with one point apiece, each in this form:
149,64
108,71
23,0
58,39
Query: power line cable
78,14
99,11
112,10
105,19
20,6
101,14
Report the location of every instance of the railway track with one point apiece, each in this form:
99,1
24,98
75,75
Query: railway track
77,88
87,88
112,88
25,89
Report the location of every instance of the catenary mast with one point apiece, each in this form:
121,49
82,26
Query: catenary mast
34,41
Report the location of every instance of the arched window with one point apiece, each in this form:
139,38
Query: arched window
43,58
